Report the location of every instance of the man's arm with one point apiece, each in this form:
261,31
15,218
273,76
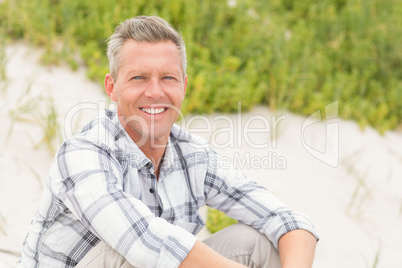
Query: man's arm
89,181
203,256
251,204
296,249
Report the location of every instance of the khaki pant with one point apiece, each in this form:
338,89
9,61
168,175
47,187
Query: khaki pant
237,242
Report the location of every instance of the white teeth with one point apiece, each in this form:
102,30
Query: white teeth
153,111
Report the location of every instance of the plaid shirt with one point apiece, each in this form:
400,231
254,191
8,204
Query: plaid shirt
102,187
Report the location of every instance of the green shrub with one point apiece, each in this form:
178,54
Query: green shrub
217,220
295,55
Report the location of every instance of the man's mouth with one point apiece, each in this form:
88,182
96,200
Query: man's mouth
153,110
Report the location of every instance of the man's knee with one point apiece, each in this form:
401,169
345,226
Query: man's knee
246,245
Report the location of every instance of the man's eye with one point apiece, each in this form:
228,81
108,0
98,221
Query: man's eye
169,77
137,78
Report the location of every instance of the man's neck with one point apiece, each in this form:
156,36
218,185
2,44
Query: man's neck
153,148
155,154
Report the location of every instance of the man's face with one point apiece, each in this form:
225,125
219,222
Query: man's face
149,89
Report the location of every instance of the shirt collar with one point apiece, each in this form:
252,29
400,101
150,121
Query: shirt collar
138,158
168,158
129,147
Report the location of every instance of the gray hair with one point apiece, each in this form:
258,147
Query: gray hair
142,29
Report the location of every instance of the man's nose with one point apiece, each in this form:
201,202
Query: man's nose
154,89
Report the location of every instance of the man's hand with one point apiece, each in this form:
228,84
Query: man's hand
203,256
296,249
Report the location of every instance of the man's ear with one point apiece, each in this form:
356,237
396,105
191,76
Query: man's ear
109,87
185,86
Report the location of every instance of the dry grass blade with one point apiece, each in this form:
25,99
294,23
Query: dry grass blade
377,258
3,63
25,106
50,127
360,195
11,252
27,109
2,222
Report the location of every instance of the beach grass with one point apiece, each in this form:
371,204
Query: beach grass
24,108
288,55
360,196
39,111
217,220
376,259
48,122
3,63
2,223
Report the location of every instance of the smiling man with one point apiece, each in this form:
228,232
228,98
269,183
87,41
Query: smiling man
148,88
126,190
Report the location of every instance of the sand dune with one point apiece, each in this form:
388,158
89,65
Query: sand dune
355,204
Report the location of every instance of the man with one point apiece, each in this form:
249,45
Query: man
126,190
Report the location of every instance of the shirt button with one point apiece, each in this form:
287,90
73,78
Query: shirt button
151,191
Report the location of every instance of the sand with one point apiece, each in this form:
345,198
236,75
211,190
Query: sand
355,203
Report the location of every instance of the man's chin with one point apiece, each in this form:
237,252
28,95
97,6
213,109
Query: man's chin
155,140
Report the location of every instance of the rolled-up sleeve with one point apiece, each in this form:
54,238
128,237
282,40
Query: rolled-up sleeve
89,181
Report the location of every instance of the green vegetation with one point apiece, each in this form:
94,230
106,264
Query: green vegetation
27,109
377,258
3,62
217,220
24,108
48,122
295,55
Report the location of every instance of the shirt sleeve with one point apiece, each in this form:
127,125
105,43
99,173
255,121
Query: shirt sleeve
231,192
89,180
